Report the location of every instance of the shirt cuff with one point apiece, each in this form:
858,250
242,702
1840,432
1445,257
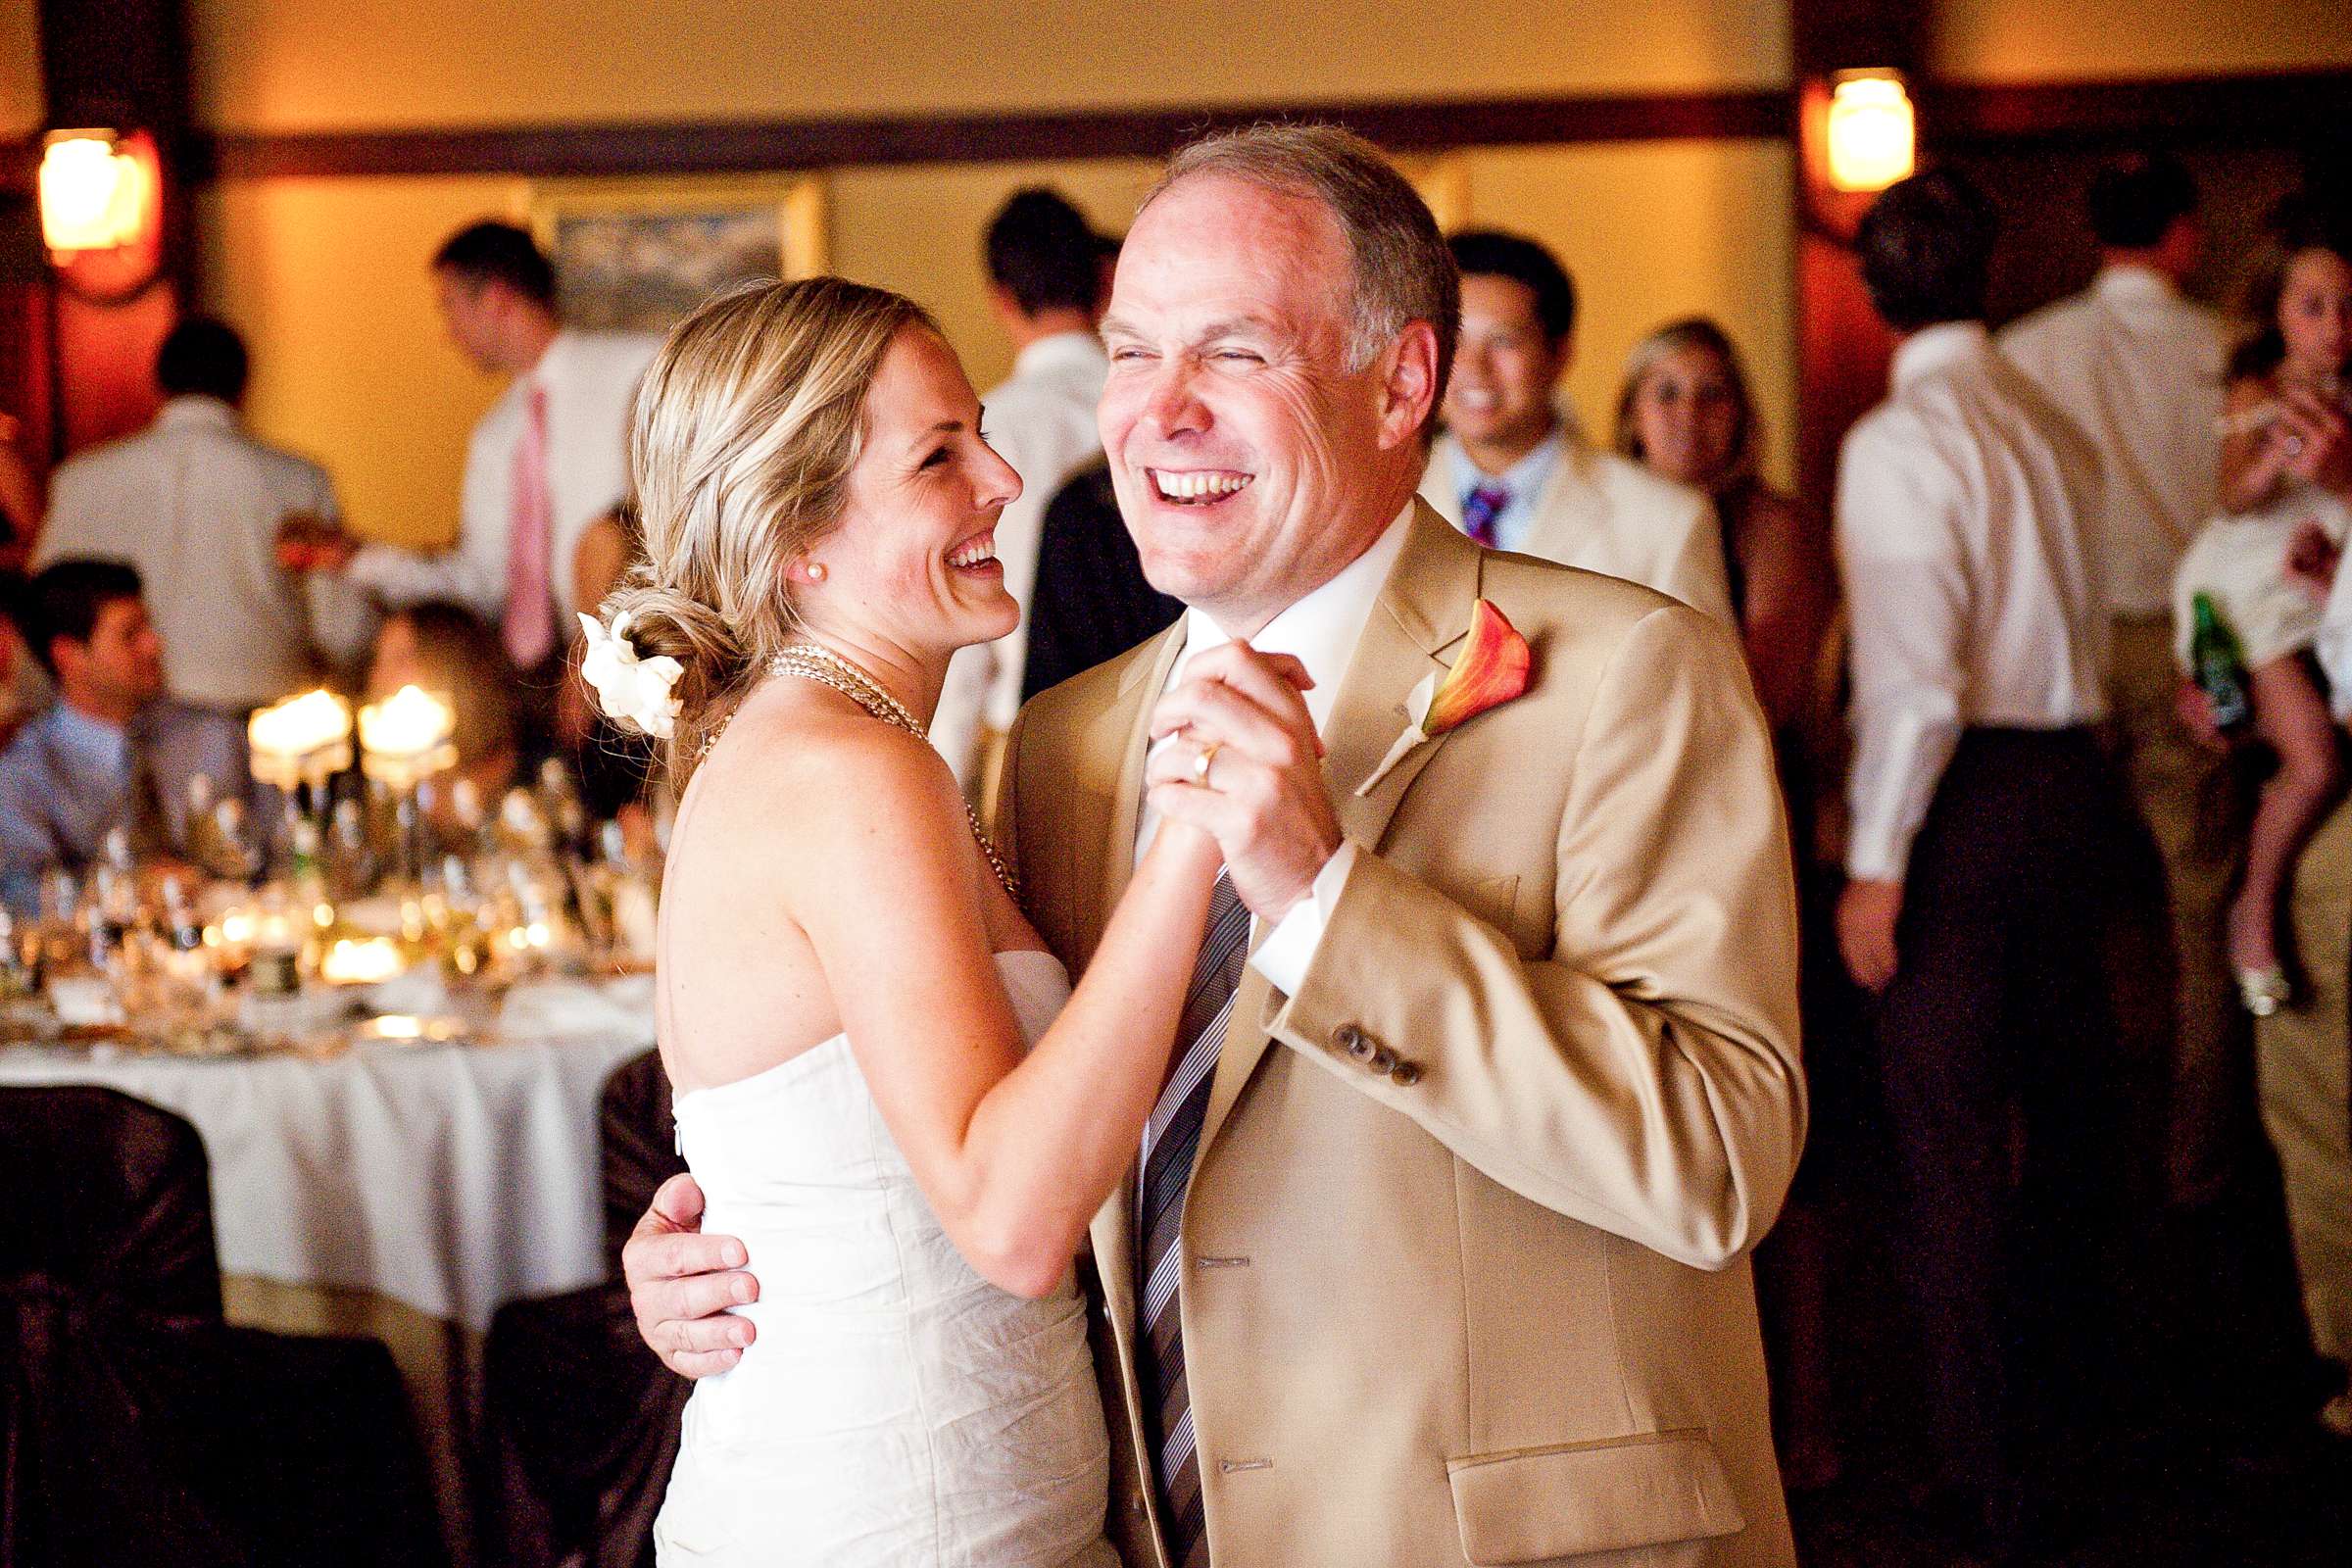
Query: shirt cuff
1290,948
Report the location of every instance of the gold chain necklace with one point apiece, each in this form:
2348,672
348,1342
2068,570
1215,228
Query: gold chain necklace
814,663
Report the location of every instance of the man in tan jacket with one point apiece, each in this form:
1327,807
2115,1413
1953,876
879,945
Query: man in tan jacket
1511,1082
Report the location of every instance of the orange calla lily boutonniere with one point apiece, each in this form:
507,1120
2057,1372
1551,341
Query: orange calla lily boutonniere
1490,670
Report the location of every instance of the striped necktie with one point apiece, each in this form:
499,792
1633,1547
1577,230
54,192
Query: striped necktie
1480,509
1172,1139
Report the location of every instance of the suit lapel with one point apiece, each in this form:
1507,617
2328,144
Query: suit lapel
1423,611
1567,513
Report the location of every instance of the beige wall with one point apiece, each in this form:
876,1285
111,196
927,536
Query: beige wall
21,100
327,278
2036,40
1652,231
284,64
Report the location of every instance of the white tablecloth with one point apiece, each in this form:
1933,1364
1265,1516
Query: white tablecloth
453,1178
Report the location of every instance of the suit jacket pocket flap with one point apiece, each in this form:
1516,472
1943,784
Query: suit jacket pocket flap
1535,1504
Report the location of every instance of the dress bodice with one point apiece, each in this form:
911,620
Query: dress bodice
894,1407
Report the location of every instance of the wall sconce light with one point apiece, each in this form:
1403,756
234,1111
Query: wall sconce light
96,193
1871,131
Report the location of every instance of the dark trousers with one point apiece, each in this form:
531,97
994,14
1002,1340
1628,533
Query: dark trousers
2005,1092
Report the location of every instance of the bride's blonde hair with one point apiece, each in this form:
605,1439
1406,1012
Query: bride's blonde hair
741,443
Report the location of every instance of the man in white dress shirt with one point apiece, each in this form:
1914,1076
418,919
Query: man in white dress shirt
1044,283
195,502
1511,473
1984,850
2139,368
549,457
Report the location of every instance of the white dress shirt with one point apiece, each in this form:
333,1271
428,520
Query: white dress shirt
1041,421
590,379
1320,631
193,503
1973,601
2139,370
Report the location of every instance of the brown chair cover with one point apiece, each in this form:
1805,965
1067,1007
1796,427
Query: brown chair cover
583,1420
137,1426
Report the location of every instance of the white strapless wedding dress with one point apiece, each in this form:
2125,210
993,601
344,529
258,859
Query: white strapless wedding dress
896,1408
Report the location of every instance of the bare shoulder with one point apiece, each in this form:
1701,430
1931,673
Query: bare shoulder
807,775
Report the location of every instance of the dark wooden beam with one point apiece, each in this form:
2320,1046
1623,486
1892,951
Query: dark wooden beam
748,146
2258,109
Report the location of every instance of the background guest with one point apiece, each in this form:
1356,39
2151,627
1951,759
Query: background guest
2285,473
1511,473
544,463
1982,850
2138,367
1684,411
2302,1060
448,649
195,502
1045,286
1092,603
87,764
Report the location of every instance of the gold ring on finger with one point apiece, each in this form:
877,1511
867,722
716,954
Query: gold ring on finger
1202,760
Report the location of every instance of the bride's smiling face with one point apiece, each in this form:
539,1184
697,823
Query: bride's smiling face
912,560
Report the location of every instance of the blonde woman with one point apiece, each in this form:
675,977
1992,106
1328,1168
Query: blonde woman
848,990
1683,409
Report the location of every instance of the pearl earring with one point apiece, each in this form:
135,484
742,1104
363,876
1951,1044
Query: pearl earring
816,571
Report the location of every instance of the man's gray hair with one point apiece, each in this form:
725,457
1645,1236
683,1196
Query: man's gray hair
1403,271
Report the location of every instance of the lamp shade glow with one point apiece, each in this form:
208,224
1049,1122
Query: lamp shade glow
1871,131
94,196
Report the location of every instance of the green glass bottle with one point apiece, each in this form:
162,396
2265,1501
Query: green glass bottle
2219,667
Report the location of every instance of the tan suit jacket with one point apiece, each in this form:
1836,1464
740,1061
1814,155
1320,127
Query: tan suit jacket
1484,1298
1611,514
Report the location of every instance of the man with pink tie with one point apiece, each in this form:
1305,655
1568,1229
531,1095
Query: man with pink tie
547,459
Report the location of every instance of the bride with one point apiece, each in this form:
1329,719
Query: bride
885,1084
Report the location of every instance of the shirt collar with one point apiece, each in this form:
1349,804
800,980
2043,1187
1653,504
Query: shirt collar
1522,479
2127,282
194,408
1933,348
551,358
1056,351
1320,630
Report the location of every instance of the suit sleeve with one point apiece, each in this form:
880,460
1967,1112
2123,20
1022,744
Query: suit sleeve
1643,1077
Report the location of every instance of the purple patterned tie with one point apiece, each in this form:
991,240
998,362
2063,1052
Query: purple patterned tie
1479,511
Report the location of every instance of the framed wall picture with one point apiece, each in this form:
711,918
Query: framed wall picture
636,255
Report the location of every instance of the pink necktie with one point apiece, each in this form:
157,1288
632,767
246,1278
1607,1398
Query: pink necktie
530,629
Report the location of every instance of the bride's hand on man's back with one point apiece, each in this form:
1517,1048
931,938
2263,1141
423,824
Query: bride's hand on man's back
682,1282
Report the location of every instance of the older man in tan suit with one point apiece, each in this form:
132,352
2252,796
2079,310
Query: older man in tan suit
1512,473
1509,1081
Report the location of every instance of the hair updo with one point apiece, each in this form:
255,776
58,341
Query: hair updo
745,430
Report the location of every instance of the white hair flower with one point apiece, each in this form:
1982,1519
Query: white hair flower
633,690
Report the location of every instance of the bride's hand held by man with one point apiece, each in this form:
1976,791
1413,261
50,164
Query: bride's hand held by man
1246,768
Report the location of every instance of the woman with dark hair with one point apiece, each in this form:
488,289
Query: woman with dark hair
451,651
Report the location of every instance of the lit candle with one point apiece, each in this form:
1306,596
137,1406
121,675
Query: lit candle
361,961
299,740
405,737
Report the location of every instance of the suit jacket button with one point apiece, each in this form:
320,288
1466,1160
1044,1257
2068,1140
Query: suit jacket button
1382,1059
1404,1075
1354,1042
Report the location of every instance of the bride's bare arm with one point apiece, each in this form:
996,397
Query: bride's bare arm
1014,1153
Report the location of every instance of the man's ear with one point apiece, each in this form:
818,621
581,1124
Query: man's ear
1408,384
